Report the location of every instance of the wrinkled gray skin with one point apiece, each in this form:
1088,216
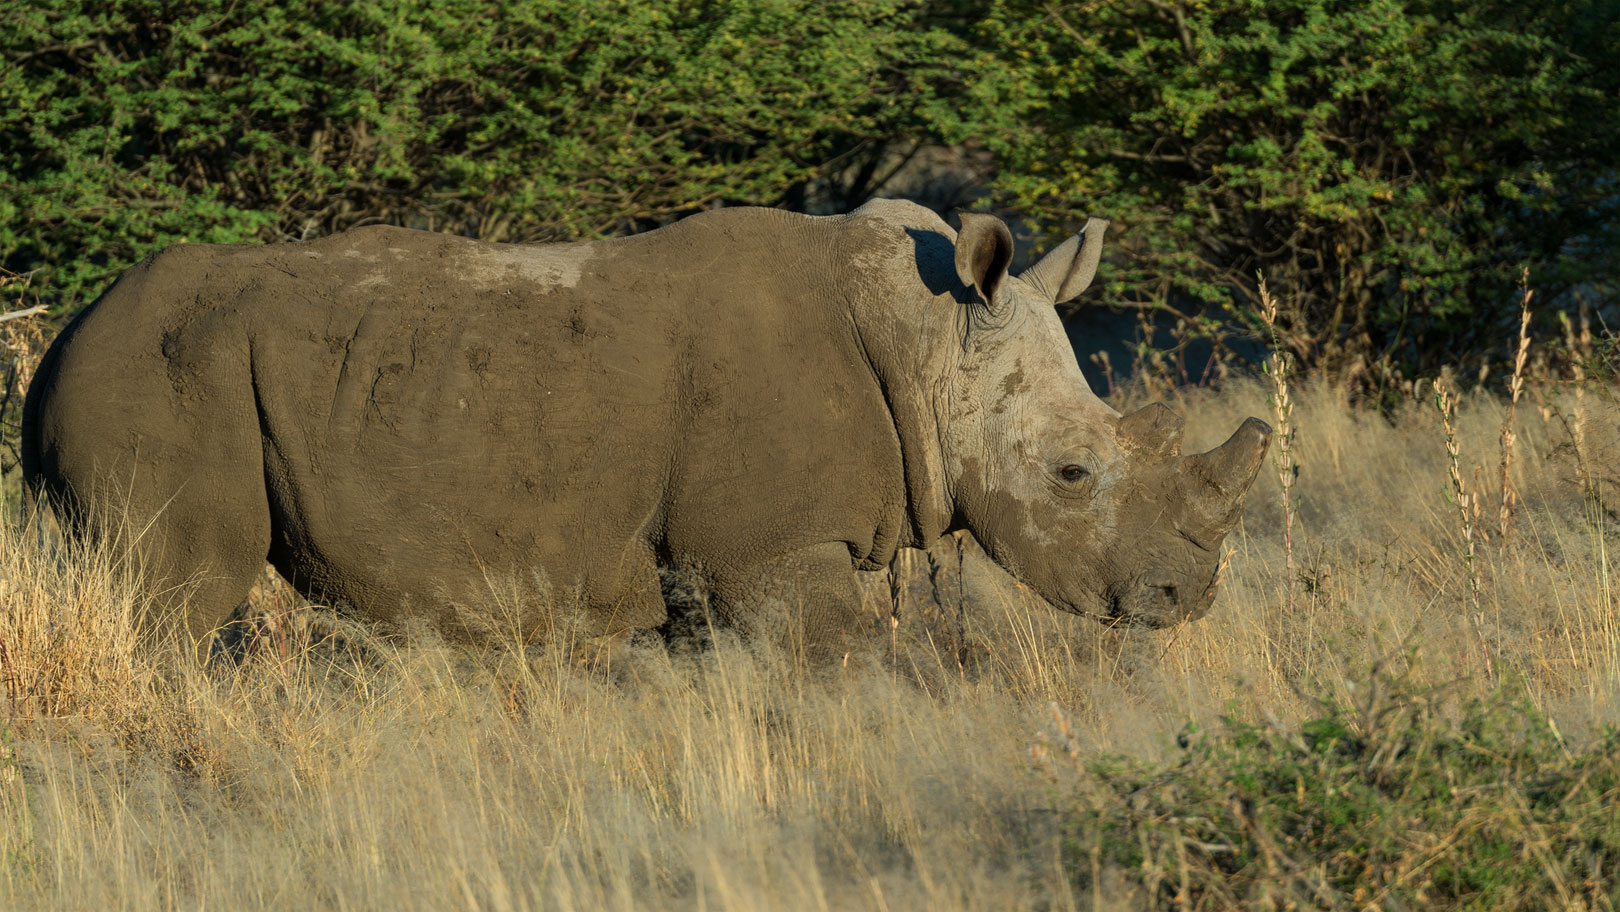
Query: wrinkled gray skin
398,419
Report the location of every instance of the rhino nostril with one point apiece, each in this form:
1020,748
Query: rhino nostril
1167,592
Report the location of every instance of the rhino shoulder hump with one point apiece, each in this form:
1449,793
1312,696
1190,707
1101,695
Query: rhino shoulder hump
901,214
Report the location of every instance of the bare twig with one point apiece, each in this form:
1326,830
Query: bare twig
26,312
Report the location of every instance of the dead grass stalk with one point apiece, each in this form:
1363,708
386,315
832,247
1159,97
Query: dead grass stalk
1508,436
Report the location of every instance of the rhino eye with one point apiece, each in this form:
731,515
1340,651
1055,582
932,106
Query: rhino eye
1072,473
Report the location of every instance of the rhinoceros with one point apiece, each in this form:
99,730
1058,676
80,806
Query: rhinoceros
394,418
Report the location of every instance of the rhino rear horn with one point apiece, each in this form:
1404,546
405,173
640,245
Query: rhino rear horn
1220,477
1152,430
1067,271
984,248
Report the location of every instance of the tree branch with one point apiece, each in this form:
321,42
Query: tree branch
28,312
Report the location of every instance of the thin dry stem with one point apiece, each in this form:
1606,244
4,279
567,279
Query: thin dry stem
1504,519
1467,512
1278,369
1579,347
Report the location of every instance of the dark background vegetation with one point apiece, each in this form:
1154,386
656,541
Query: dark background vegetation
1390,166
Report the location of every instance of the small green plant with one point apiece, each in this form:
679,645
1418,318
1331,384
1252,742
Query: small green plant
1395,798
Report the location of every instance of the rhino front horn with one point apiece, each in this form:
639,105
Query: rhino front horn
1221,476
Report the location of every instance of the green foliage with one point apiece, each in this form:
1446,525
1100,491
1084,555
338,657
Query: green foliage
128,126
1389,165
1381,802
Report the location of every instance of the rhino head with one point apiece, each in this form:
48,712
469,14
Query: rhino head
1099,513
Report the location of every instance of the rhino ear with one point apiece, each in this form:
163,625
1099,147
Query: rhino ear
984,247
1067,271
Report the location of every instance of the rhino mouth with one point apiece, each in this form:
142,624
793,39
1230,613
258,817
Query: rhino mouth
1153,607
1114,614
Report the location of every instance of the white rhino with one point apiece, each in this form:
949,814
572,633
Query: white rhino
393,418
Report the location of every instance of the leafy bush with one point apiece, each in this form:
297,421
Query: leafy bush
126,127
1380,803
1391,163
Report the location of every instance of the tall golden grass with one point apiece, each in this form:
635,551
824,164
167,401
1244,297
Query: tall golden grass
337,768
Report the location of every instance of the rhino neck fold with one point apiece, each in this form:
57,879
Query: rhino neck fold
910,339
929,508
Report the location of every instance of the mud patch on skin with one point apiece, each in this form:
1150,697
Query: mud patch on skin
1012,386
478,358
550,266
576,327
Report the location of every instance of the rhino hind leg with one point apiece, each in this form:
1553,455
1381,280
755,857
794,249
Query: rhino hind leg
189,511
205,546
197,552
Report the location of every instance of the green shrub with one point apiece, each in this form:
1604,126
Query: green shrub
1384,802
128,126
1389,165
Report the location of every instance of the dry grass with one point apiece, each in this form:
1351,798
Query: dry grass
355,772
1277,369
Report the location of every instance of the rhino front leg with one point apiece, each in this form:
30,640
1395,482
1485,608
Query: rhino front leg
807,599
